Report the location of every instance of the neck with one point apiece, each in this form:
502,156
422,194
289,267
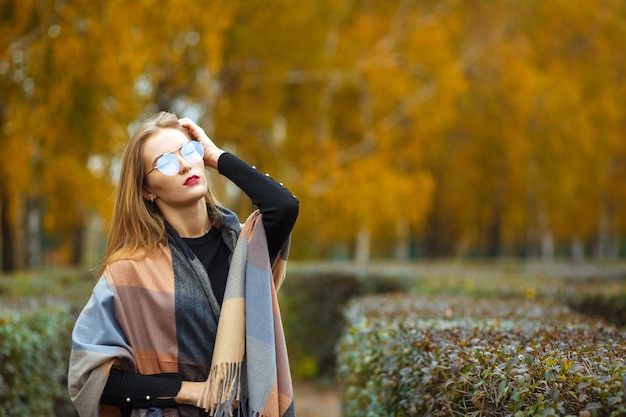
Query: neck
189,221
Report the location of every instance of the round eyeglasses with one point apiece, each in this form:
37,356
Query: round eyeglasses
168,163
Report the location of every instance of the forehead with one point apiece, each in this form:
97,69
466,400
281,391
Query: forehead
165,140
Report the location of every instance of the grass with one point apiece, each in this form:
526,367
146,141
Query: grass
510,278
46,287
490,278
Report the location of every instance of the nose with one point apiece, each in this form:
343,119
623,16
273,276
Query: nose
184,164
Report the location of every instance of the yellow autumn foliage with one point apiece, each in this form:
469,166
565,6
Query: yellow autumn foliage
483,127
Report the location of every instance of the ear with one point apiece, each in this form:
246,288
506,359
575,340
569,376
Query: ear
147,195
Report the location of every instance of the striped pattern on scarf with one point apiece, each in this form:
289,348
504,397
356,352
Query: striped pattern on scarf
250,368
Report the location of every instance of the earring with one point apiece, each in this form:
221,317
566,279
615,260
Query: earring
152,199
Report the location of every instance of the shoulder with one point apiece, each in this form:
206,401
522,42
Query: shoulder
153,271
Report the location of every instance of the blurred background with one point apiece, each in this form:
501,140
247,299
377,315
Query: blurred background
408,129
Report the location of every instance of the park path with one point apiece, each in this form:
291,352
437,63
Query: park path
313,400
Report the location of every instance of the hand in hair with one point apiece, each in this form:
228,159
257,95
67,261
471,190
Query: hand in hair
211,151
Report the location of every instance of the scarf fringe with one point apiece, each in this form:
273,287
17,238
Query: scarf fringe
221,391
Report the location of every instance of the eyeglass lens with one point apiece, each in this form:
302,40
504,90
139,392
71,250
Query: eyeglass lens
168,164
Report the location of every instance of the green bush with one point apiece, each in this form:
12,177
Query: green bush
460,357
311,305
34,352
611,308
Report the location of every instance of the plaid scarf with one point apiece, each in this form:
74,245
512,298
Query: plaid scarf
250,345
131,322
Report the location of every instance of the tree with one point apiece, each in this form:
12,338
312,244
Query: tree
486,128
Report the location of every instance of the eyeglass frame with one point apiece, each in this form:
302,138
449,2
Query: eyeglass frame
199,150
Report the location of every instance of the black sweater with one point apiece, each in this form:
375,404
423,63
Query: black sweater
280,210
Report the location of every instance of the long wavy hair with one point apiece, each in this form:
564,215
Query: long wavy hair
138,227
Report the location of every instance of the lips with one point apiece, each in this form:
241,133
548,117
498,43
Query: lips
192,180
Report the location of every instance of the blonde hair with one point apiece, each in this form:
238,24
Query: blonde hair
138,227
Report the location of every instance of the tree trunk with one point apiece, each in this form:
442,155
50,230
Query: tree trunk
547,246
78,245
402,243
33,234
578,250
362,252
546,240
607,243
493,243
8,240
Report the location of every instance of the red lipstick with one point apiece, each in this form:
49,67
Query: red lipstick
192,180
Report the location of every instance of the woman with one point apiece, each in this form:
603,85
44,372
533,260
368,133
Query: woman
183,320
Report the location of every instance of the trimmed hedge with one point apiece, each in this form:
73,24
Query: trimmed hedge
610,307
313,299
403,356
312,304
34,352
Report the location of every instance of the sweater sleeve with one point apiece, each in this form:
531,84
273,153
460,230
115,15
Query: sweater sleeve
277,204
132,390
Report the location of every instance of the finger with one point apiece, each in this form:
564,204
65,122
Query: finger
188,124
194,130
